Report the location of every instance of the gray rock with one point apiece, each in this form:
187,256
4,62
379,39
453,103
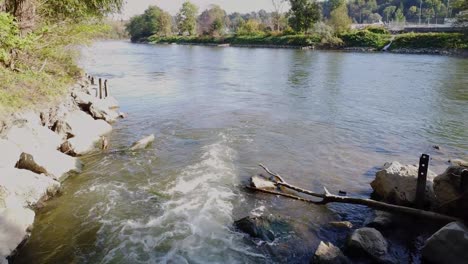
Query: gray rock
449,245
261,183
449,196
327,253
459,162
382,220
341,224
100,110
28,187
51,163
30,137
143,143
15,223
9,154
396,183
262,227
368,241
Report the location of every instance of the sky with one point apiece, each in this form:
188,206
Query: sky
135,7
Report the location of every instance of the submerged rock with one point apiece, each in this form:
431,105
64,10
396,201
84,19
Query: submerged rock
27,186
327,253
261,183
369,242
396,183
341,224
382,220
449,194
9,154
51,163
261,227
143,143
449,245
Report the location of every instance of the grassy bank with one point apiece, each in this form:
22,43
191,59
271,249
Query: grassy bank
372,38
36,68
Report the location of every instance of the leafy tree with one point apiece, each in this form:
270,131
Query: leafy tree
374,18
399,16
339,19
251,27
388,12
303,14
187,19
153,21
76,10
212,21
412,12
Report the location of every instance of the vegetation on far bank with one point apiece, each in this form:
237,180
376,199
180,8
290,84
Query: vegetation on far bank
307,23
37,47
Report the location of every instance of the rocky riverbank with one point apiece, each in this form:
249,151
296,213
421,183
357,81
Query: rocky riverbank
40,149
386,237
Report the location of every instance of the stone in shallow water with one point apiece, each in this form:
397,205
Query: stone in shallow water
396,183
369,242
327,253
143,143
448,245
341,224
262,227
261,183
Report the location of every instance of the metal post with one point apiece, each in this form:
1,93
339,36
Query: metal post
422,178
106,92
100,88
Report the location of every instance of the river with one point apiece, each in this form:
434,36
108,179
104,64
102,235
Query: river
319,118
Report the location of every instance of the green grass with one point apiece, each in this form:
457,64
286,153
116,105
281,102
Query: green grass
431,41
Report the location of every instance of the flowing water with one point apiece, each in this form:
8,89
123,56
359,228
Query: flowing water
319,118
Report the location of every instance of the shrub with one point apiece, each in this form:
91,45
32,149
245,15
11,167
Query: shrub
431,40
365,38
378,30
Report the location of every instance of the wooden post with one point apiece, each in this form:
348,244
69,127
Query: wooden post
422,179
106,91
100,88
92,80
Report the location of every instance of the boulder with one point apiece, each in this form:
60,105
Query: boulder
261,227
368,242
78,146
143,143
80,124
15,223
327,253
9,154
382,220
449,245
27,186
449,195
52,163
100,110
396,183
262,183
83,100
30,137
111,102
341,224
459,162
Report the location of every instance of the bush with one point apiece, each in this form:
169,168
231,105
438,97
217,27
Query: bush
431,40
365,38
378,30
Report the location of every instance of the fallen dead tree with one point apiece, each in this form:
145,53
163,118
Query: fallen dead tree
327,197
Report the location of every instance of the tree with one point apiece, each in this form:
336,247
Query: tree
339,19
277,14
388,12
399,15
303,14
187,19
251,27
412,12
212,21
154,21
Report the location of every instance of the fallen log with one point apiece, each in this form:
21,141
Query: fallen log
327,197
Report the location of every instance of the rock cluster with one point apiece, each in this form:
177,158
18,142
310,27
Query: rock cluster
38,152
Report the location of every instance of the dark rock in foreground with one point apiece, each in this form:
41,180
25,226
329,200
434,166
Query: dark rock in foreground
448,245
261,227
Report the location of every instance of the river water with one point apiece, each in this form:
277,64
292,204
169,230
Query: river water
319,118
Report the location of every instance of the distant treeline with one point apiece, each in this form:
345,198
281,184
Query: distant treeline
291,17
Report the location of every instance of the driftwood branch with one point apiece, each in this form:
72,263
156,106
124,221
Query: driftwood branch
327,197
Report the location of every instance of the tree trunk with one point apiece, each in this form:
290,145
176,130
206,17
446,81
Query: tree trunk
24,11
